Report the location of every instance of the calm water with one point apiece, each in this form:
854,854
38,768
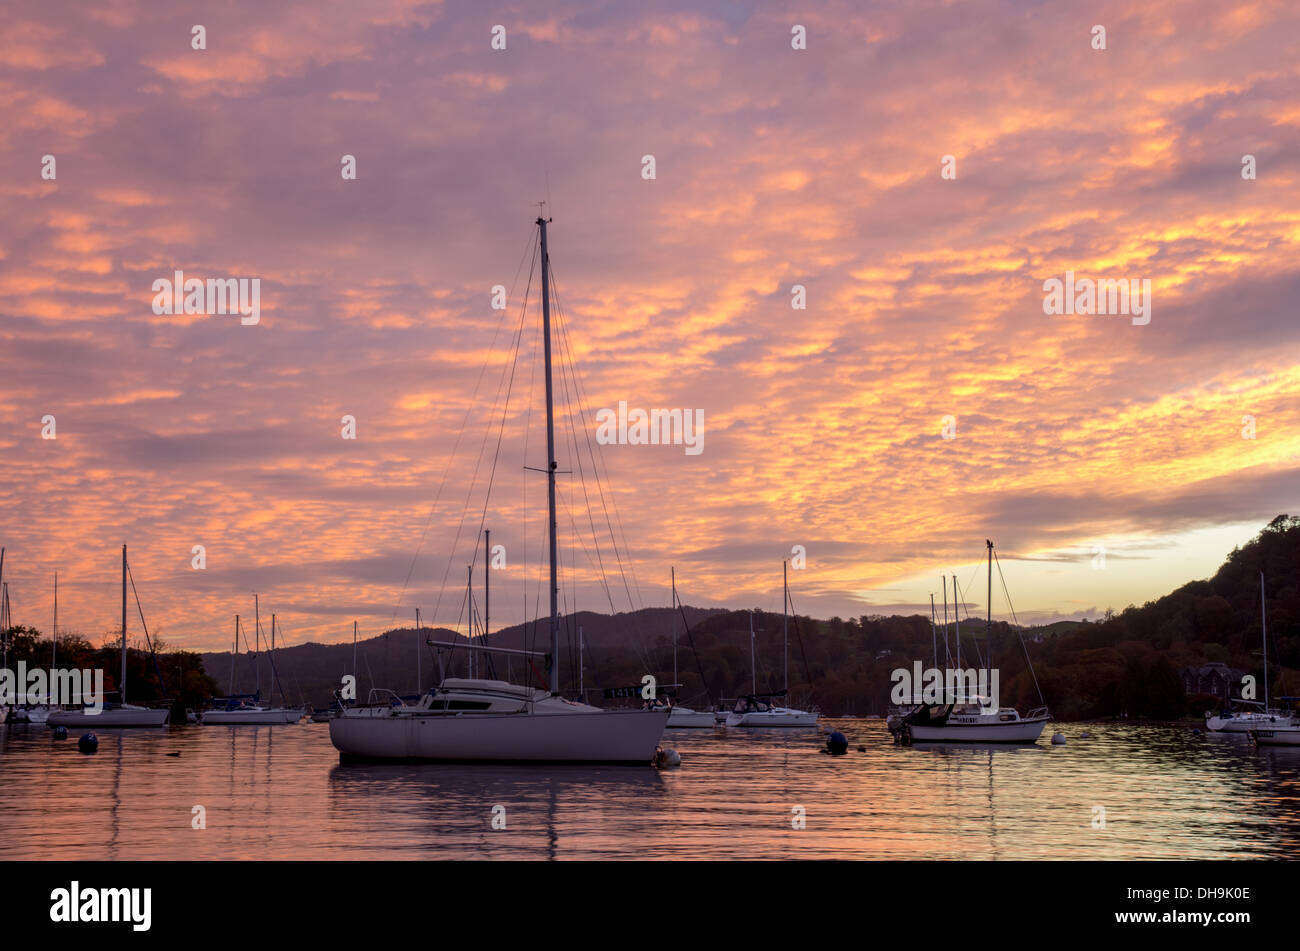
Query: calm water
279,792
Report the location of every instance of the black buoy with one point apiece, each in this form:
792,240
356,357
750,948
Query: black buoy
836,743
60,732
88,743
862,749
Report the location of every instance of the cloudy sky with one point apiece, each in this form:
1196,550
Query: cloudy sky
773,167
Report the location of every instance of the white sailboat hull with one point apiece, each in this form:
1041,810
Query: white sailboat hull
1242,723
249,717
117,717
1284,734
1016,731
773,719
683,718
605,736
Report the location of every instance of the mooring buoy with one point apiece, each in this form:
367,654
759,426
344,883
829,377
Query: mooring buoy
837,744
1058,739
667,759
60,732
88,743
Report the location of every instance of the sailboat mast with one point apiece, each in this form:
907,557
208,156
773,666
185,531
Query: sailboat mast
469,611
1263,620
419,680
934,636
54,640
487,581
674,576
956,621
233,654
989,610
550,455
4,629
257,643
121,687
785,621
274,678
753,671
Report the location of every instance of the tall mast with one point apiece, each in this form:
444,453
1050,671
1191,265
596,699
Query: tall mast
4,627
121,687
785,620
231,691
582,683
419,680
274,676
1263,620
674,575
54,640
934,636
989,610
487,581
550,455
956,620
469,610
354,649
257,643
753,672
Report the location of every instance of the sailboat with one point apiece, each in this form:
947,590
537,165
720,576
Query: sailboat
480,720
1244,721
248,710
966,722
760,710
113,714
680,717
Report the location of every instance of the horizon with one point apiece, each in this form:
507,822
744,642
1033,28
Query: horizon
924,387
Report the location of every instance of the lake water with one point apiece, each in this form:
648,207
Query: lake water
280,793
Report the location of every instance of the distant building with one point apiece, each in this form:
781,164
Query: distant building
1215,680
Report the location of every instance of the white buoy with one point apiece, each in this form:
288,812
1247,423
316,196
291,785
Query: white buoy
1058,739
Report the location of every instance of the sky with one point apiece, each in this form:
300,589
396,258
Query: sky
919,169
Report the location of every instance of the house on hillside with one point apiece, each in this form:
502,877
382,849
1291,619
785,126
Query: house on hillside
1216,680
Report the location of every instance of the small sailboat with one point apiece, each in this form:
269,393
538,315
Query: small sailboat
760,710
120,714
482,720
247,710
974,722
1244,721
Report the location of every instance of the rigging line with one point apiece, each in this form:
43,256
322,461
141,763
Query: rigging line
505,413
460,527
637,644
799,637
433,507
704,684
145,627
583,401
582,477
1019,635
572,399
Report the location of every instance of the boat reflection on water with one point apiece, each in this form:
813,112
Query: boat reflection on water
521,812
